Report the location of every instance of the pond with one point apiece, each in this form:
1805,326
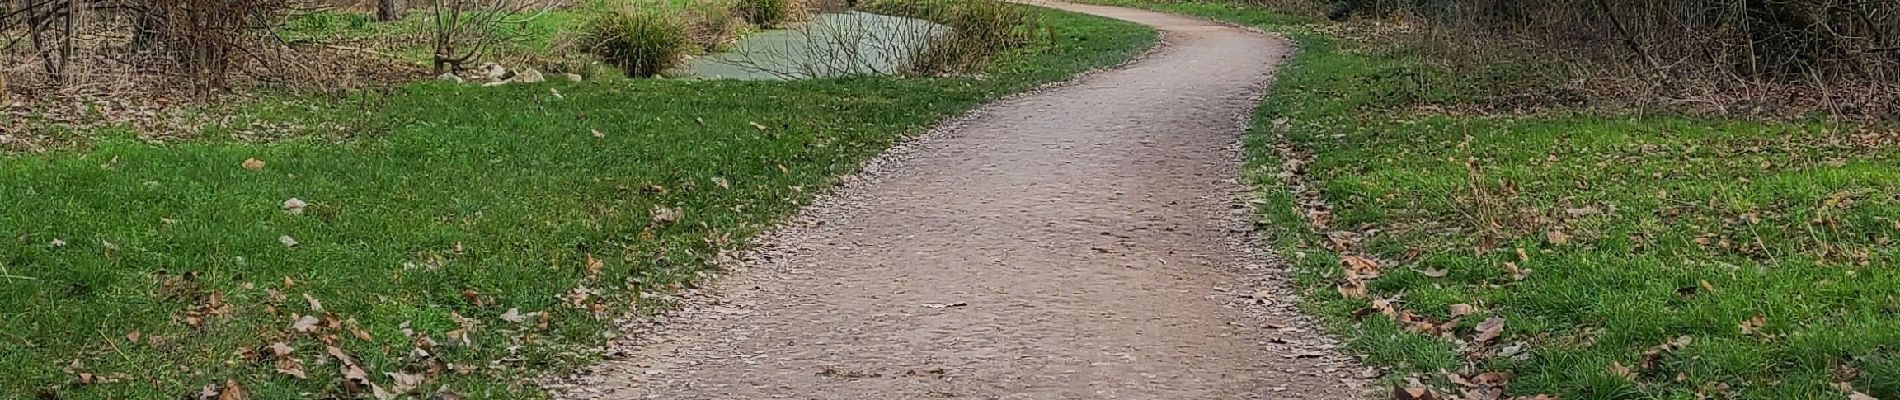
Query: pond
831,45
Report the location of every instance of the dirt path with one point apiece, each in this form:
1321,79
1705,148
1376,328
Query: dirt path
1085,242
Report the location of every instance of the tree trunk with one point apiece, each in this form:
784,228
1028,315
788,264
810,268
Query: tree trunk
388,10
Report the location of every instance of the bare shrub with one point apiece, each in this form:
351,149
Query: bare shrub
201,42
462,30
1838,56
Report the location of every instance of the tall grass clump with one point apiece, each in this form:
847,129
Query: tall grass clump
772,13
979,30
641,41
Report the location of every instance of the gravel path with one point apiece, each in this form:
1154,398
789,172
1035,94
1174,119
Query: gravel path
1085,242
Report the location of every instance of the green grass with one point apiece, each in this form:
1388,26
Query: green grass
1667,227
421,200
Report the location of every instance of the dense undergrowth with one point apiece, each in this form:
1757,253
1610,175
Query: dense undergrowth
1574,252
444,238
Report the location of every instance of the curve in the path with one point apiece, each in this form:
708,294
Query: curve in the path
1078,243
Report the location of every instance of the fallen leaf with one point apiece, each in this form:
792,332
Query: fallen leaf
721,182
594,265
513,315
292,367
446,394
307,323
357,330
401,383
253,164
1461,309
1489,329
1435,273
1557,237
1413,393
287,241
665,215
941,305
1616,367
597,133
1752,325
315,306
1360,263
1352,290
231,390
1860,396
756,125
280,349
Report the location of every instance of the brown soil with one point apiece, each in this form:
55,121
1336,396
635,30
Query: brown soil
1085,242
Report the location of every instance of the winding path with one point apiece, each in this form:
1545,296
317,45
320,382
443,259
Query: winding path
1085,242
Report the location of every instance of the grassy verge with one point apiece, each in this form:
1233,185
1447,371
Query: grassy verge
1650,257
461,237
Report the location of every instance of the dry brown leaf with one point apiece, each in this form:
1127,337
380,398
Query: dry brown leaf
306,324
1517,274
1352,290
1360,263
252,164
665,215
513,315
280,349
594,265
1557,237
1413,393
315,306
232,391
1616,367
292,367
401,383
1461,309
1489,329
1753,325
357,330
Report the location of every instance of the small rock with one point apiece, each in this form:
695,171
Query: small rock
530,76
492,71
572,77
496,83
294,206
450,76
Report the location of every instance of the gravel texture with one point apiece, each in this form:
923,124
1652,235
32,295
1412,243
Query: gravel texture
1087,241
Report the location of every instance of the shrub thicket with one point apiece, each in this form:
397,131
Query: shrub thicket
715,23
1815,41
978,31
772,13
